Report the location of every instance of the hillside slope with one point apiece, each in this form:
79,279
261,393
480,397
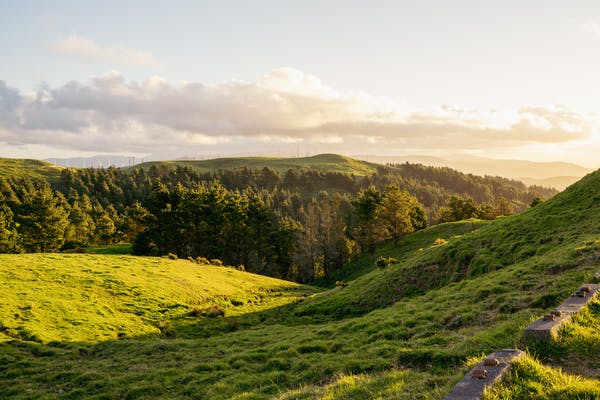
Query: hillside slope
549,174
89,298
540,240
406,330
321,163
16,167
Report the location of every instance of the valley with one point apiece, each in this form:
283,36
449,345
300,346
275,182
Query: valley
404,322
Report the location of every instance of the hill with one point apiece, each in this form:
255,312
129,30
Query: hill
558,175
558,182
406,323
16,167
321,163
89,298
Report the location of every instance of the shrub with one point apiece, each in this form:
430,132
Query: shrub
190,258
383,262
172,256
166,329
439,242
202,260
214,311
341,283
241,267
216,262
210,311
195,312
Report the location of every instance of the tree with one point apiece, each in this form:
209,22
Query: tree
366,230
503,207
134,221
9,236
537,200
81,226
460,208
43,220
308,259
399,213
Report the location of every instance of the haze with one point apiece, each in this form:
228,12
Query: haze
512,80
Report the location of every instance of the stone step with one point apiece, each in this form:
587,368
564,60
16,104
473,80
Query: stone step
485,374
548,326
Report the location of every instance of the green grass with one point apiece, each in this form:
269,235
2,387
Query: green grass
19,168
530,379
405,248
89,298
321,163
576,341
116,326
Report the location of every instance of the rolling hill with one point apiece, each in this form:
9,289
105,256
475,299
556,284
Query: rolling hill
558,175
321,163
405,327
16,167
558,182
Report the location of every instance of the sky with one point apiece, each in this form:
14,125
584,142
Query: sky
163,80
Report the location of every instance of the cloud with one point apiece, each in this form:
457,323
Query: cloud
87,50
286,106
591,27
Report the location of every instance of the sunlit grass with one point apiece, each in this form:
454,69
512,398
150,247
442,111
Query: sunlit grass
530,379
116,326
322,163
19,168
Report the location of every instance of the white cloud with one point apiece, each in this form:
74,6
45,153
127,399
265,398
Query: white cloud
591,27
88,50
286,106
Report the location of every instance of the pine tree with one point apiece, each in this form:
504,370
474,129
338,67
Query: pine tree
9,237
43,220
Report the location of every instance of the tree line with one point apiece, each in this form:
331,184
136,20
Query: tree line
300,224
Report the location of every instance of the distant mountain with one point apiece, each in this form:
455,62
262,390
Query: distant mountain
557,182
551,174
98,161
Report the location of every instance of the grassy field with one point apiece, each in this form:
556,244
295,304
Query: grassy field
18,168
89,298
116,326
322,163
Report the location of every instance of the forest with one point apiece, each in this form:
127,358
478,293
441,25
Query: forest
300,225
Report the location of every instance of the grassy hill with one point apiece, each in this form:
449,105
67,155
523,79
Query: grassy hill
115,326
88,298
321,163
14,167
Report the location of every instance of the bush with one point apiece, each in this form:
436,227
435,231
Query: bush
241,267
383,262
214,311
341,283
439,242
210,311
166,329
172,256
216,262
195,312
202,260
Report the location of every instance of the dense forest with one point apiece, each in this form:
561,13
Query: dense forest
300,224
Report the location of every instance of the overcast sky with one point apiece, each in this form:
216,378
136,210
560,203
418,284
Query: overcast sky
508,79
